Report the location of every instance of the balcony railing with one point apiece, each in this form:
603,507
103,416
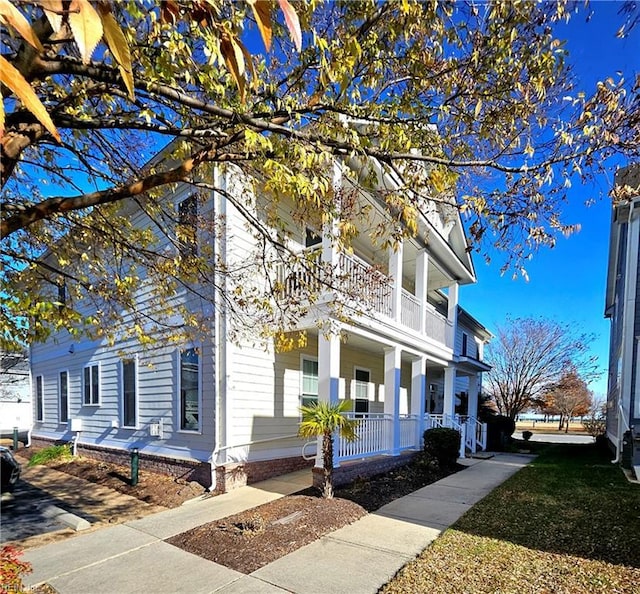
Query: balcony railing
365,288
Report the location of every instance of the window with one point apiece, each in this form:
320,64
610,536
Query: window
309,391
63,393
62,294
39,399
91,385
311,238
187,227
189,390
129,393
361,397
465,340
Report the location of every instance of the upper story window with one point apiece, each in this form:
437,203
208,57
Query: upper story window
187,230
311,238
91,385
465,344
62,294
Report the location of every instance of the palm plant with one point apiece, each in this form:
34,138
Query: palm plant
323,419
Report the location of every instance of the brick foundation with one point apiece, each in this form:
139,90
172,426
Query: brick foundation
364,468
228,477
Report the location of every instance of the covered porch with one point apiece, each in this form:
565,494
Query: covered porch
403,393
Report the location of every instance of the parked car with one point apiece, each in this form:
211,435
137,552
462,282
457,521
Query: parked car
10,470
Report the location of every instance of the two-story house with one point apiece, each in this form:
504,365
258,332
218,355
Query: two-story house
383,330
623,309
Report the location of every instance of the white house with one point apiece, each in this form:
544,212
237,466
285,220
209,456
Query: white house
623,309
385,332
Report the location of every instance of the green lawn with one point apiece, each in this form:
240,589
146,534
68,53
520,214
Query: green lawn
567,523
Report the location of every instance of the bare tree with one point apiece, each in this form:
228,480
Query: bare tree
528,355
570,396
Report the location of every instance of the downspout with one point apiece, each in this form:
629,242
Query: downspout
621,418
219,330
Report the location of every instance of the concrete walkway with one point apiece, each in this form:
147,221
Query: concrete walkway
359,558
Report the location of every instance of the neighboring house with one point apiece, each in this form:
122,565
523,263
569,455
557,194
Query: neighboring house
623,309
15,397
392,339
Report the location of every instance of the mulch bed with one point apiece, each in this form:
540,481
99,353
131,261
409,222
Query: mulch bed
251,539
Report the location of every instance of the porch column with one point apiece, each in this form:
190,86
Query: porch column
418,394
472,404
452,313
395,272
328,379
422,272
392,395
330,256
449,407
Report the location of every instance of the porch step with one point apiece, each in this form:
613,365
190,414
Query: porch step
636,470
483,455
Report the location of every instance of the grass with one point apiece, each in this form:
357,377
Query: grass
567,523
59,453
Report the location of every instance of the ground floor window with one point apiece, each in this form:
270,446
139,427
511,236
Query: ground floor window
63,386
39,399
91,385
189,390
309,388
129,393
361,397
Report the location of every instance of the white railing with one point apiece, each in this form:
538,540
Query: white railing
408,432
374,432
372,288
433,421
410,311
476,433
436,325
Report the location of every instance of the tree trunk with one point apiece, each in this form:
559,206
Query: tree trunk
327,464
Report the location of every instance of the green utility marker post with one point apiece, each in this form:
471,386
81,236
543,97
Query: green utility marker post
135,460
15,439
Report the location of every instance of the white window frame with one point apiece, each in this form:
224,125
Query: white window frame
357,368
39,398
65,371
136,385
179,352
303,394
464,344
84,381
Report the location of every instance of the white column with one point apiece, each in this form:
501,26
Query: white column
422,274
395,272
472,409
452,313
418,393
449,396
392,395
328,378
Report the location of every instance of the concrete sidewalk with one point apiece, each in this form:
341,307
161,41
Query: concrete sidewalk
359,558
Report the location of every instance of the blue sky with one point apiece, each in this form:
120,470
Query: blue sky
567,283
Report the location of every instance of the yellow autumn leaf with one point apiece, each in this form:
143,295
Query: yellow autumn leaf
10,15
293,22
86,27
53,11
234,59
262,12
11,77
118,46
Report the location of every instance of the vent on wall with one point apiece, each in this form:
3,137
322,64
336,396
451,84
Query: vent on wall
155,428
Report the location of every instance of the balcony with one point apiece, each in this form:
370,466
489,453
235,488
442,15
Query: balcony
365,289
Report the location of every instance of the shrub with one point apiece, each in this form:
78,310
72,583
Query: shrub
12,570
499,432
443,444
526,435
56,453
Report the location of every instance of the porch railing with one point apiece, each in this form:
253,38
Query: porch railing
374,433
433,421
410,311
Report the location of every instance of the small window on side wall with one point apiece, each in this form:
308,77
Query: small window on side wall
91,385
63,386
189,390
39,399
309,387
187,230
311,238
129,393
